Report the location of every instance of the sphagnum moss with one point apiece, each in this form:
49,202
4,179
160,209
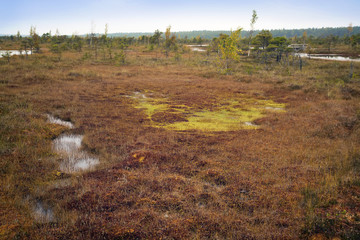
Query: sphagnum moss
229,115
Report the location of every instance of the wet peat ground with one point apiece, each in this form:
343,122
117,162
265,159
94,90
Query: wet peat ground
155,183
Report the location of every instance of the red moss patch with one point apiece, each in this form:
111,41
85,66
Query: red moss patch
167,117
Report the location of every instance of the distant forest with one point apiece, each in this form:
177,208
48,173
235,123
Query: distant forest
288,33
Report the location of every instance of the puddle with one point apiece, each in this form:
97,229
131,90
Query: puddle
43,214
227,115
79,161
251,124
275,108
69,147
331,57
68,144
203,45
74,160
136,95
85,163
13,52
197,48
58,121
139,95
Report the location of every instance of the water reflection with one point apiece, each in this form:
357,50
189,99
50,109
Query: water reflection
58,121
69,147
197,48
331,57
13,52
74,159
42,213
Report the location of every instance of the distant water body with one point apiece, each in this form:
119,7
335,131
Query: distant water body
12,52
331,57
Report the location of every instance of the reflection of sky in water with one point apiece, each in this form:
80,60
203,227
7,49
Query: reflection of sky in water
68,143
12,52
328,57
58,121
75,160
69,147
196,48
43,214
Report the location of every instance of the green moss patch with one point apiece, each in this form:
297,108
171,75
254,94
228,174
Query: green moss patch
227,115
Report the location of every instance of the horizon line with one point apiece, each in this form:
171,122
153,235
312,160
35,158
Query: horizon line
255,30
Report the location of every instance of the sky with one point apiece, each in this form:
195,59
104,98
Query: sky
85,16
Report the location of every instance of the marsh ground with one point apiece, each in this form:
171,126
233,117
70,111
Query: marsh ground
294,176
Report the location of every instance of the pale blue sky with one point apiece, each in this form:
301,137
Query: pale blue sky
77,16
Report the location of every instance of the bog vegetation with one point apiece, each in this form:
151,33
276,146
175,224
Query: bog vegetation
205,142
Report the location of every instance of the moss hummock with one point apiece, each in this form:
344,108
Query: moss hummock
228,115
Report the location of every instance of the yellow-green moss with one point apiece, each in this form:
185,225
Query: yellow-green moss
150,107
227,115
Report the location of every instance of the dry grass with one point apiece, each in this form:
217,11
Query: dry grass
296,176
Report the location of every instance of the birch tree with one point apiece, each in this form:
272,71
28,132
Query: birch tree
254,18
170,41
228,51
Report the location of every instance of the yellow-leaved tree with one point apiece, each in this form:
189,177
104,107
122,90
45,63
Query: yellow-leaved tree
170,41
228,51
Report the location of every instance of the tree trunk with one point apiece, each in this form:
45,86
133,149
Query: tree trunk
351,70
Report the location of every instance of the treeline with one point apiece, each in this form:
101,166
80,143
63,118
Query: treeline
288,33
329,39
208,35
205,35
316,32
